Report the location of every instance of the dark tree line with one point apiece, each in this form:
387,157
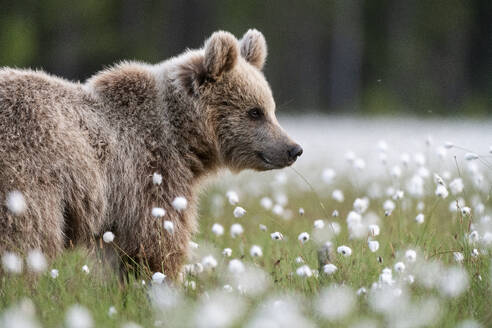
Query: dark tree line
374,56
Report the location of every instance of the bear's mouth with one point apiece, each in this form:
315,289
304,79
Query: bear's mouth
269,163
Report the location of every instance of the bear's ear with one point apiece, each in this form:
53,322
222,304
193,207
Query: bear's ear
254,48
221,53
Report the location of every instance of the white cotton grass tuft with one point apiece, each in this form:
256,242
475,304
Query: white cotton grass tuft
303,237
456,186
236,230
304,271
227,252
373,245
180,203
262,227
344,250
280,311
16,203
256,251
374,230
108,237
329,268
335,302
54,273
217,229
266,203
441,191
276,235
319,224
12,263
85,269
36,261
218,309
235,266
20,315
77,316
454,281
471,156
338,195
419,218
301,211
458,257
169,226
399,267
158,277
328,175
158,212
410,255
232,197
239,212
112,311
156,178
209,262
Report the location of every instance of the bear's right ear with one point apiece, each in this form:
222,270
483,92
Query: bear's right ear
221,53
254,48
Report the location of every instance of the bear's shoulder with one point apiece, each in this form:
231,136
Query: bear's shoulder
127,84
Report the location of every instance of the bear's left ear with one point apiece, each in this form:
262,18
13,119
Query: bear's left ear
254,48
221,53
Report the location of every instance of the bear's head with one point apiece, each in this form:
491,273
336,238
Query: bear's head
226,82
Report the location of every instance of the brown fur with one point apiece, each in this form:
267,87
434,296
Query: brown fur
83,155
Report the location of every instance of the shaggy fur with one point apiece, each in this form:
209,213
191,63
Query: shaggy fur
83,155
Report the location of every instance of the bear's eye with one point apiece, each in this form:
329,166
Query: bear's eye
255,113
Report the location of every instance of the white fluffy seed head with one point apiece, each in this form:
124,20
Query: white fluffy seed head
344,250
441,191
373,245
236,230
236,266
399,267
227,252
16,202
329,268
36,261
209,262
78,316
108,237
419,218
12,263
85,269
319,224
411,255
266,203
471,156
158,277
156,178
276,235
169,226
239,212
303,237
304,271
374,230
232,197
158,212
54,273
180,203
256,251
338,195
217,229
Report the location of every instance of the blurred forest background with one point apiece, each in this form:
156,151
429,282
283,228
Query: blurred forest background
358,57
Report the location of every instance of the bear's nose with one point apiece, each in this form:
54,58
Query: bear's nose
294,152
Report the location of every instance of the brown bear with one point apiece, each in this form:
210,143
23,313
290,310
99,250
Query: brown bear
83,156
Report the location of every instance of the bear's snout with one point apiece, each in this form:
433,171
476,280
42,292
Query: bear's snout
294,152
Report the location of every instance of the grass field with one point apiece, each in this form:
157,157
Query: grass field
408,274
